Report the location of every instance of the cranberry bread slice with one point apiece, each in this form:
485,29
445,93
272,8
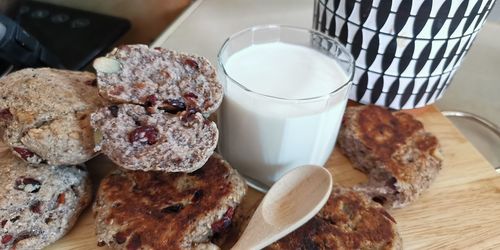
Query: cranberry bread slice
159,210
135,139
159,77
399,156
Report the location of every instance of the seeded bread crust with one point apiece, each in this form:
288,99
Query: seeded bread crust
44,115
158,210
399,156
349,220
39,204
137,140
164,78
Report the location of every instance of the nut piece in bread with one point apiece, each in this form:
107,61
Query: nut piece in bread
393,149
158,210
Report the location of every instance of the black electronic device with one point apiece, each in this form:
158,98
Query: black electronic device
21,49
75,37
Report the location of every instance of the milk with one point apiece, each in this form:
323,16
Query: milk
266,129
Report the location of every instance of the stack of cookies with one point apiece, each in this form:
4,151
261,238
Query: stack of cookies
172,191
45,122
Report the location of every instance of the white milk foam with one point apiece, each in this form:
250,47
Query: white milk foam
265,137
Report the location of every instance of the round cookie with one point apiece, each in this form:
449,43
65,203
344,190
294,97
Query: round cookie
159,210
158,77
44,114
349,220
39,204
135,139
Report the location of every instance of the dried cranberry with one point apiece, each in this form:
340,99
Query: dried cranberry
207,122
120,237
114,110
36,207
191,63
188,115
6,238
24,153
134,243
198,194
27,184
222,224
190,95
144,134
3,223
173,208
91,82
379,199
5,114
190,99
61,198
173,106
151,101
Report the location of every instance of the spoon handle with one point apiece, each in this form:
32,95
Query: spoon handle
258,233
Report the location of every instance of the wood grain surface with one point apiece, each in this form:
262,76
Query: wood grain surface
461,210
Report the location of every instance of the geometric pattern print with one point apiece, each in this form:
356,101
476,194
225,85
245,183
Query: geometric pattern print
406,51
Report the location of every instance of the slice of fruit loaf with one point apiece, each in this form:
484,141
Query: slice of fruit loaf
393,149
135,139
159,77
158,210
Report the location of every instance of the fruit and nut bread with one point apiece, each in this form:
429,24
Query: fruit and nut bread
159,210
400,158
39,203
45,114
349,220
158,77
135,139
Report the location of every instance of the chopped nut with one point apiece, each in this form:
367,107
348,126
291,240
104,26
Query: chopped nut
107,65
27,184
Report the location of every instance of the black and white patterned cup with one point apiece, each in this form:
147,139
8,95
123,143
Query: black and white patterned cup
406,51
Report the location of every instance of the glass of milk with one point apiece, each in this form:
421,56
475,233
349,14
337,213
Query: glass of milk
286,90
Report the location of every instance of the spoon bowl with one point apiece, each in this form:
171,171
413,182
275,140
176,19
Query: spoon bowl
290,203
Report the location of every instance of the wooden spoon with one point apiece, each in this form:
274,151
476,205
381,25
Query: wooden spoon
290,203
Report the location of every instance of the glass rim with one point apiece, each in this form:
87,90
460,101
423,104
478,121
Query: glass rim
289,27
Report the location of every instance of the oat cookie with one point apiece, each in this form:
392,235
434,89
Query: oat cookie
138,140
159,210
399,156
44,114
159,77
39,204
349,220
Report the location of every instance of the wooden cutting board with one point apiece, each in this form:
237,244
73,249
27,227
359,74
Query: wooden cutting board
461,210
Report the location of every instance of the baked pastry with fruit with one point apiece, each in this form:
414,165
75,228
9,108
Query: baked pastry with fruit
45,114
349,220
160,78
159,210
393,149
135,139
39,204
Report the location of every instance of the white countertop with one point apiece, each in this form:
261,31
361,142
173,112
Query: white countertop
475,88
